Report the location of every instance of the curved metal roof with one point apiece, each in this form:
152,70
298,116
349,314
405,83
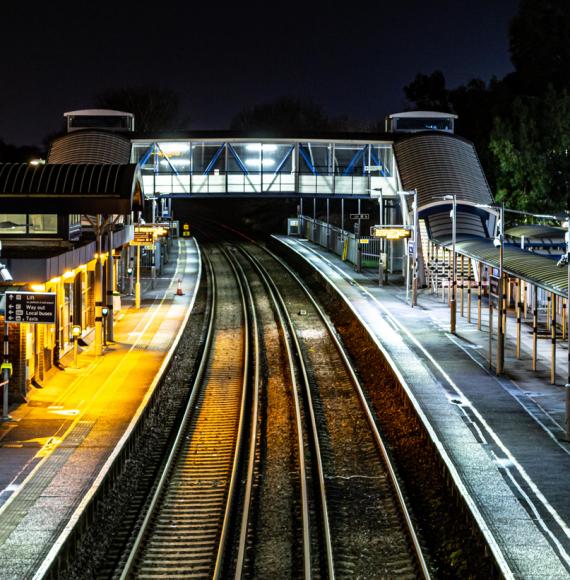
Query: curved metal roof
533,268
90,146
70,188
535,231
437,164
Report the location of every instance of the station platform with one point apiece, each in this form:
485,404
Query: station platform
501,437
58,442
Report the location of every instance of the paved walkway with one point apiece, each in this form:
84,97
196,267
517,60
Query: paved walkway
51,455
502,438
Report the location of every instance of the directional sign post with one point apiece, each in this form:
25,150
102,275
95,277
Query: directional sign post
32,307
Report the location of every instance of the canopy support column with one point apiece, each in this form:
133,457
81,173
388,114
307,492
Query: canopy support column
518,314
553,341
469,290
534,325
461,300
479,295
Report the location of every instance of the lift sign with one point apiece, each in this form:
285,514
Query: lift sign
34,307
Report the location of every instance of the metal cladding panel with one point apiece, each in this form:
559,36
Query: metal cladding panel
438,164
533,268
536,231
90,147
69,188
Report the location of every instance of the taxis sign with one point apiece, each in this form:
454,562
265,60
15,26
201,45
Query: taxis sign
390,232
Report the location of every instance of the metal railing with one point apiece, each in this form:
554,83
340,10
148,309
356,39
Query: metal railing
361,251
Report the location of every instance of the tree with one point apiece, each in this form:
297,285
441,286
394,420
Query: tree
286,114
428,92
155,109
531,147
539,45
15,154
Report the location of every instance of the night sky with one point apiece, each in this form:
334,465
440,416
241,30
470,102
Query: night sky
353,57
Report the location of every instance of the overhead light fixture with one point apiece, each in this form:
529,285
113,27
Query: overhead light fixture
173,147
175,161
256,162
261,147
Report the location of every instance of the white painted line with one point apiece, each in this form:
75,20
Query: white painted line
496,439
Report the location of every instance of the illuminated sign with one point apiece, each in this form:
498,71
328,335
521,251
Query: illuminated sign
390,233
34,307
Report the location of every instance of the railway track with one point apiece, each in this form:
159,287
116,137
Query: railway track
277,407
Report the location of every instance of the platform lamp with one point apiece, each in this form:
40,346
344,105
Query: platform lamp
453,301
75,333
413,193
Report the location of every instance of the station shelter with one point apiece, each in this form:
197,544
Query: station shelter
67,228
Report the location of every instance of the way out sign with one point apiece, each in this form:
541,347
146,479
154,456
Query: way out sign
34,307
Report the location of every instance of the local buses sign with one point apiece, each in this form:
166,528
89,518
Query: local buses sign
33,307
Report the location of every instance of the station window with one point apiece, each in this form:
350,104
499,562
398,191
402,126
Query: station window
42,223
12,223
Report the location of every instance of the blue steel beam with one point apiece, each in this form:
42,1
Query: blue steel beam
240,163
383,171
307,160
167,159
356,158
145,157
284,160
214,159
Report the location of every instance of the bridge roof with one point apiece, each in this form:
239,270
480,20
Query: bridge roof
225,135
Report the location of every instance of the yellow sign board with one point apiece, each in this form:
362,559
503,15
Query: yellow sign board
391,233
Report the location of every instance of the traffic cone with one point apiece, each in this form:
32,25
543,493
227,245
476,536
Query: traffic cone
179,289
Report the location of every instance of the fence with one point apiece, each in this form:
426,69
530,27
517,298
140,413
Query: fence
361,251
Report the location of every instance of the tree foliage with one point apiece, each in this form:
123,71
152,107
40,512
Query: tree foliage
531,146
285,114
540,50
520,124
155,109
15,154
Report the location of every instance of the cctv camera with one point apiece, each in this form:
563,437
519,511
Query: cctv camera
5,274
496,242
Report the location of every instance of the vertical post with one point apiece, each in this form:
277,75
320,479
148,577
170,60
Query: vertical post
328,224
461,301
75,347
98,289
138,282
553,342
534,326
479,295
6,375
416,243
490,331
110,286
453,306
381,242
563,323
519,316
468,289
567,386
500,319
342,217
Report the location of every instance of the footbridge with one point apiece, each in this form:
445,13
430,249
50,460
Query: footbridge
222,165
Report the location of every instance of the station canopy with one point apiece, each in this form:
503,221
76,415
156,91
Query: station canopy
71,188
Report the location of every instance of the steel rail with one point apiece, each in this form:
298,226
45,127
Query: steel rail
240,560
314,430
143,530
298,425
235,476
370,418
